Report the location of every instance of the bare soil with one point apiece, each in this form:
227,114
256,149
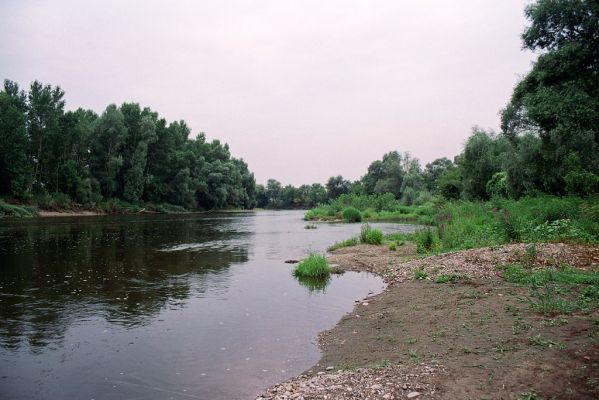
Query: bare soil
475,339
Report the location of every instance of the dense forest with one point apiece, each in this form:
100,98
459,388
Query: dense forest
53,158
548,143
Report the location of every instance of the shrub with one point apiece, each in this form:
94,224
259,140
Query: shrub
371,235
426,241
350,214
314,266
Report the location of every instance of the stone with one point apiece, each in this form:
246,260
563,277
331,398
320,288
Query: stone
413,395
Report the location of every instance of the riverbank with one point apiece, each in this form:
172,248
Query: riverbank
480,334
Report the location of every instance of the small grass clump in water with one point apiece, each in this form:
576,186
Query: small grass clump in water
371,235
314,266
351,214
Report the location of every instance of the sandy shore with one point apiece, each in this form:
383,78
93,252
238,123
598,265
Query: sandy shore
69,213
476,338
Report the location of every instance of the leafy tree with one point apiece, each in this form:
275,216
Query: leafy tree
15,166
336,186
559,99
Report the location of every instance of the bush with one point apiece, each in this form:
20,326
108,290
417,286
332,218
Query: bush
350,214
371,235
426,241
314,266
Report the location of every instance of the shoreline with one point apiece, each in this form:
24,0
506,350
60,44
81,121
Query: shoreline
421,339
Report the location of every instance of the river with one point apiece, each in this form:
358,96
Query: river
189,306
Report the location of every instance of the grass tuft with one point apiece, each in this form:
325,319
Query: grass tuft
314,266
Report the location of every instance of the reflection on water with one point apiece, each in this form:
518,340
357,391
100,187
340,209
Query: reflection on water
163,306
314,284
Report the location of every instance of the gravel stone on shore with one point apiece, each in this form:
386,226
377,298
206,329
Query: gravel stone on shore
392,382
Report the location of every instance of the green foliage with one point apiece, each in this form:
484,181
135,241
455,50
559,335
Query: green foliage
350,214
11,210
567,275
373,207
346,243
371,235
61,159
426,241
420,274
464,225
314,266
558,100
392,246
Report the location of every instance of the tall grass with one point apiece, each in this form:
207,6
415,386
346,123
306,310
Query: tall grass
313,266
464,225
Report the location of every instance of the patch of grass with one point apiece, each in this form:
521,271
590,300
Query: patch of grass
529,396
547,300
452,278
515,273
346,243
310,226
351,214
520,325
392,246
420,274
314,266
539,340
371,235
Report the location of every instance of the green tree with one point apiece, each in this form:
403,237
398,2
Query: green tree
15,166
559,99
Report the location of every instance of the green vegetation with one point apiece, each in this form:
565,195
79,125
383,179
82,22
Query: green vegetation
371,207
346,243
58,159
465,225
11,210
370,235
557,291
392,246
314,266
350,214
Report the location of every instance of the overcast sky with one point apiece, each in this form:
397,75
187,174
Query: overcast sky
301,90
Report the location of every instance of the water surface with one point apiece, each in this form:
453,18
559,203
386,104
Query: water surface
160,307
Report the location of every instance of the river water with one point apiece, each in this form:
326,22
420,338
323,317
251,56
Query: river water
164,306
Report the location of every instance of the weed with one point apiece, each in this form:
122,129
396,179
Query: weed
539,340
451,278
420,274
411,340
426,241
392,246
547,301
346,243
314,266
529,396
520,325
310,226
371,235
559,321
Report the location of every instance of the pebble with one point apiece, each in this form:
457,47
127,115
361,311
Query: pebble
413,395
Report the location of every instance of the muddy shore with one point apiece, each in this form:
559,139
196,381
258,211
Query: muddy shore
475,338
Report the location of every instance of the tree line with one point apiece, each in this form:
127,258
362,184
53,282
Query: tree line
126,153
549,138
548,143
